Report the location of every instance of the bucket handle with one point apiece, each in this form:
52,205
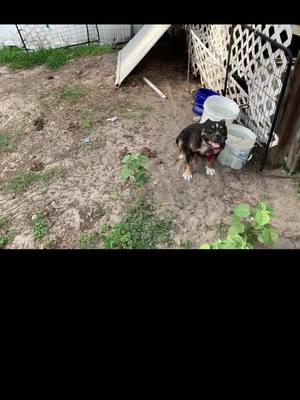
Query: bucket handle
244,161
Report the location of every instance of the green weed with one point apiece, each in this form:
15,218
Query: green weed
39,226
140,228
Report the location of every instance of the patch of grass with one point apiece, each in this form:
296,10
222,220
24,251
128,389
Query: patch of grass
140,228
54,172
188,244
4,222
88,122
135,111
39,226
6,144
50,244
6,239
56,59
89,240
74,92
25,179
22,182
88,51
16,58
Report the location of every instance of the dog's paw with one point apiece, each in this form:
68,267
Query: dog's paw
181,156
210,171
187,176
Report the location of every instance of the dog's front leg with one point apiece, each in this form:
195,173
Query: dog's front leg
210,164
188,173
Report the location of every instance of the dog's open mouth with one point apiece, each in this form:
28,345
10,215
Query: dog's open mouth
214,145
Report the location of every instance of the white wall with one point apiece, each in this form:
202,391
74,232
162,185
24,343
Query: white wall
114,33
9,36
61,35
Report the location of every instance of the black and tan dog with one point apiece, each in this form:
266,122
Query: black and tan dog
207,139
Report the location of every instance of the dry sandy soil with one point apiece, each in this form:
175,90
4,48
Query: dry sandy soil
92,171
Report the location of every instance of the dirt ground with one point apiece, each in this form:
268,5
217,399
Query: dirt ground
92,171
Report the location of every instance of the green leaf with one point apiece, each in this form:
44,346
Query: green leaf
262,206
235,219
274,234
235,242
268,236
243,210
205,246
126,158
236,229
262,217
125,173
143,160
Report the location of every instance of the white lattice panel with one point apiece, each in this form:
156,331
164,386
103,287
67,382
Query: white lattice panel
281,33
253,60
211,71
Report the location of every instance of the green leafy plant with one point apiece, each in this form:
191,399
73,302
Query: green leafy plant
39,226
89,240
140,228
133,168
248,228
6,239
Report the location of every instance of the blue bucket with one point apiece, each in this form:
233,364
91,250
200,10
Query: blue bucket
201,96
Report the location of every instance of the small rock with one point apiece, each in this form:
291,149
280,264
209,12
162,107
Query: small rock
113,119
39,123
148,152
33,217
87,140
196,119
36,165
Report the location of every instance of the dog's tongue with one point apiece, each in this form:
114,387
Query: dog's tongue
214,145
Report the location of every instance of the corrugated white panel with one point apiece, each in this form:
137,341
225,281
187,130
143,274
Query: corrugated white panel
110,34
136,28
137,48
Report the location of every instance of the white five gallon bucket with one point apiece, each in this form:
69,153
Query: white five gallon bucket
217,108
239,143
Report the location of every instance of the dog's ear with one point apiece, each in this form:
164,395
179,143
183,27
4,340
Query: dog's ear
223,122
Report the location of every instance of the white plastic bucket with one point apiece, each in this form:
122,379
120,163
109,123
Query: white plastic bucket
239,143
217,108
